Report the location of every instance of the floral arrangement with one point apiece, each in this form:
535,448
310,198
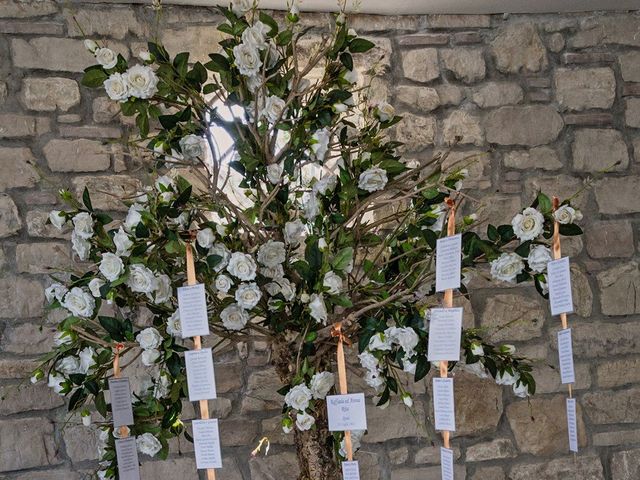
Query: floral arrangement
333,226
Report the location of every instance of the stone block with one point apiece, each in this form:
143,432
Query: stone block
272,428
497,94
458,21
107,190
587,58
377,23
49,94
449,94
17,368
478,164
201,40
618,372
618,195
421,65
625,464
584,467
609,407
631,89
585,88
81,442
478,405
560,185
518,47
261,394
403,423
76,155
399,455
42,257
486,473
416,132
50,475
544,158
581,291
37,226
616,438
548,377
13,125
89,131
598,340
588,119
619,29
27,338
515,317
280,466
620,289
28,27
529,125
610,239
16,169
630,66
183,467
555,42
28,397
21,9
105,21
27,297
465,63
424,99
423,39
464,126
492,450
229,377
467,38
26,443
428,455
632,112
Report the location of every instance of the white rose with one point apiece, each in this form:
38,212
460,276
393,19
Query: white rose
163,290
86,359
90,45
81,246
174,328
234,317
242,266
408,366
477,369
356,439
142,81
94,286
106,57
322,244
150,357
528,224
374,379
505,378
273,109
294,232
373,179
55,291
164,183
406,337
298,397
162,387
321,383
145,55
539,256
63,338
117,87
326,184
79,302
368,361
320,143
273,272
205,238
507,267
520,390
133,217
379,341
247,59
148,444
311,206
111,266
272,56
83,225
351,76
223,283
56,382
407,399
333,282
122,242
192,147
340,107
68,365
281,286
141,279
385,111
477,350
149,338
304,421
567,214
220,250
255,35
240,7
318,309
57,220
248,295
274,172
272,254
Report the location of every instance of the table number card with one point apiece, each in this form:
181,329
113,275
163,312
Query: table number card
121,407
200,377
565,354
446,463
445,329
559,279
192,305
206,441
350,470
443,406
127,454
448,261
572,426
346,412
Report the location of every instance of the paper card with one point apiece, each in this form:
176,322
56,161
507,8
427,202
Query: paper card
127,454
559,278
445,330
572,425
350,470
565,354
206,441
200,377
346,412
120,393
446,463
443,406
448,260
192,304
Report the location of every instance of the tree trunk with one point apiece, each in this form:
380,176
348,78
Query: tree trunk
313,447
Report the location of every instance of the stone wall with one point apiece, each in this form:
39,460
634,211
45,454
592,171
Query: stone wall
552,100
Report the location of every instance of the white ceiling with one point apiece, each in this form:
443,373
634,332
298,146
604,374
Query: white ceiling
408,7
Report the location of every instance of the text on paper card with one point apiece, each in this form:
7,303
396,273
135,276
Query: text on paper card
350,470
448,261
445,329
572,425
565,354
559,278
446,463
127,454
200,377
206,441
346,412
120,393
443,406
192,305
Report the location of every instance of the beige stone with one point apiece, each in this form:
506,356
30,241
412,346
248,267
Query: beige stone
423,98
183,467
272,428
464,126
556,42
530,125
449,94
513,317
49,94
497,94
610,239
494,449
478,405
109,21
404,423
518,47
81,155
630,66
466,64
42,257
261,393
547,376
17,368
281,466
620,289
21,9
561,185
107,190
585,88
421,65
595,150
545,158
625,465
399,455
37,225
618,372
427,473
432,455
50,475
632,112
477,163
610,29
17,170
616,438
26,443
10,222
618,195
28,397
27,297
81,442
599,339
14,125
609,407
485,473
416,132
584,467
458,21
199,40
29,338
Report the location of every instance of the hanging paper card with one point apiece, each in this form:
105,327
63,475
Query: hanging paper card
445,328
565,354
192,304
448,261
120,393
206,441
346,412
200,377
446,463
350,470
443,404
559,277
572,426
127,454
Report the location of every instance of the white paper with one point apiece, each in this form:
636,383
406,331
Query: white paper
192,304
448,260
565,354
350,470
127,454
445,329
559,278
206,440
120,393
443,406
200,377
572,426
346,412
446,463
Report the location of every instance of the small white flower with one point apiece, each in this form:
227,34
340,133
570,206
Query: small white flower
272,254
248,295
111,266
164,183
340,107
174,328
274,172
528,224
255,35
86,419
68,365
567,214
83,225
477,350
94,286
507,348
133,217
163,290
247,59
56,382
63,338
223,283
234,317
379,341
192,147
145,55
408,366
304,421
294,232
122,242
295,8
298,397
242,266
406,337
117,87
407,399
320,143
385,111
373,179
374,379
149,338
90,45
142,81
311,206
507,267
86,359
55,291
220,250
150,357
351,76
205,238
520,390
505,378
81,246
79,302
57,220
141,279
321,383
162,387
106,57
326,184
274,108
368,361
539,256
322,244
318,309
148,444
333,282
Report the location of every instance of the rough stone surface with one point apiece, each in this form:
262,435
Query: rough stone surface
612,29
463,126
497,94
478,405
498,448
36,433
610,239
621,406
616,373
514,317
620,292
20,9
261,391
427,473
42,257
421,65
630,66
632,112
423,98
530,125
111,21
10,222
584,467
201,39
16,125
600,339
518,47
283,466
50,94
25,398
17,168
381,427
37,226
599,149
107,189
466,64
625,464
584,88
416,132
618,195
544,158
76,155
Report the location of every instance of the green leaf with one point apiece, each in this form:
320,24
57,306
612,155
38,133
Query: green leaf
342,301
393,167
570,229
284,38
77,399
113,326
270,22
492,233
142,122
343,258
86,199
347,60
218,63
544,203
181,63
94,77
422,368
360,45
